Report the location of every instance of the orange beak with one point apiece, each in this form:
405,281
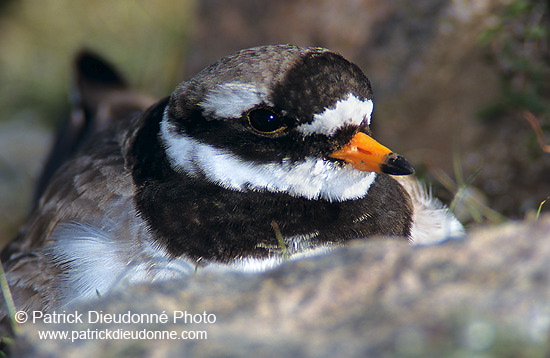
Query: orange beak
366,154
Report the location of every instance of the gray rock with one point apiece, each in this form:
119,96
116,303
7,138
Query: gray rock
485,295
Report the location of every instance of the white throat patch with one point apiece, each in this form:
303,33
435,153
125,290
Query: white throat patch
312,178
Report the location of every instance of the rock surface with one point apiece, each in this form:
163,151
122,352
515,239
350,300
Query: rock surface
485,295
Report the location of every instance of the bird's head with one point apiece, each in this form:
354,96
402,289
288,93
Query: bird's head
281,119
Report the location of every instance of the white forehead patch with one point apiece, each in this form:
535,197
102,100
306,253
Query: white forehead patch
350,110
230,100
312,178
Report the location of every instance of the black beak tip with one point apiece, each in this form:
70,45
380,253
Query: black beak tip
396,164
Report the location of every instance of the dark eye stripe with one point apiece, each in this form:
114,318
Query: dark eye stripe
265,120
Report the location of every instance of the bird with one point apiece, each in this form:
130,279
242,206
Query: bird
264,156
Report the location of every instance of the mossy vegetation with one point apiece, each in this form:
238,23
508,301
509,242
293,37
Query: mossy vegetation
518,43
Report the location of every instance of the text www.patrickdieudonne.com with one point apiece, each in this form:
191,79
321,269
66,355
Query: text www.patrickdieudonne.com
90,318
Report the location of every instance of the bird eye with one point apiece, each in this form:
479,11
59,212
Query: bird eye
265,121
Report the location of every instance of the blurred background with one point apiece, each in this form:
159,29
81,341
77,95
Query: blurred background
461,86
